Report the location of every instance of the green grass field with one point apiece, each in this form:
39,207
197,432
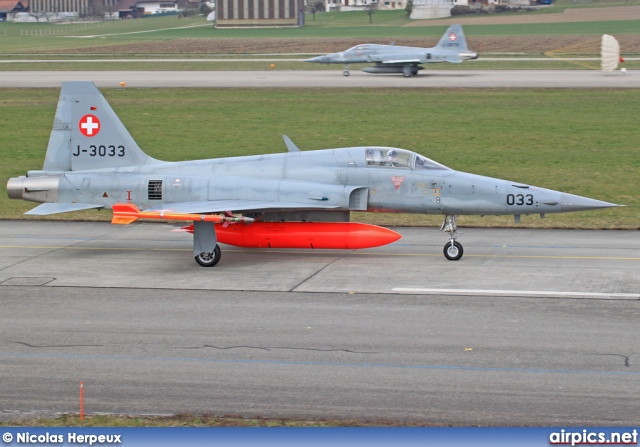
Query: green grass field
20,38
579,141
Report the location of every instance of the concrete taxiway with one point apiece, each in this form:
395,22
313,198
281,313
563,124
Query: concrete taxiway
531,327
497,262
328,79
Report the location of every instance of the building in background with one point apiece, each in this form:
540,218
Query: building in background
133,9
84,8
431,9
259,13
12,7
359,5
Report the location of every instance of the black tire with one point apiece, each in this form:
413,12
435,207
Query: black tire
345,73
209,259
453,253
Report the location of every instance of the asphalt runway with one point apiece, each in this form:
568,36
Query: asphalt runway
531,327
328,78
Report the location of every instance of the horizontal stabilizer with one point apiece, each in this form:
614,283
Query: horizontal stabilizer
45,209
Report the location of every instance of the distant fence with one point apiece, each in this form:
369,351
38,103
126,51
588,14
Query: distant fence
53,28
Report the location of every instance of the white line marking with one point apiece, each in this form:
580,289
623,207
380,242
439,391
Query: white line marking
529,293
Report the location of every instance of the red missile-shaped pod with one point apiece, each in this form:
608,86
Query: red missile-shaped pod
251,234
125,213
320,235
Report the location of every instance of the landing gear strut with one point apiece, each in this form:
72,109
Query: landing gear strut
452,249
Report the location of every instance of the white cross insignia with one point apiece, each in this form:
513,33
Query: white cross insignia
89,125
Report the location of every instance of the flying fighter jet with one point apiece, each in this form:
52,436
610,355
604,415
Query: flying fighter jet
398,59
296,199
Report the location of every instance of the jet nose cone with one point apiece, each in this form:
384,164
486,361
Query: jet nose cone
570,202
319,59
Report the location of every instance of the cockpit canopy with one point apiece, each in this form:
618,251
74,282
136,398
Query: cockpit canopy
391,157
362,47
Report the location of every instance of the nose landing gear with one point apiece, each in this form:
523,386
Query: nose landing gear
453,249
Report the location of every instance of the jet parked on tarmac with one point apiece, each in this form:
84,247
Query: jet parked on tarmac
290,200
398,59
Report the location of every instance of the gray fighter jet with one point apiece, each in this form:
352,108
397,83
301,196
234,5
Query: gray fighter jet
398,59
291,200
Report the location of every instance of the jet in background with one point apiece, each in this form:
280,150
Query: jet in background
406,60
290,200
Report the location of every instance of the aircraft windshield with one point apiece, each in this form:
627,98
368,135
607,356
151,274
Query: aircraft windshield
399,158
359,47
388,157
425,163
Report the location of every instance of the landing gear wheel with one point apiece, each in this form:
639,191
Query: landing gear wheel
406,71
345,73
414,71
453,253
209,259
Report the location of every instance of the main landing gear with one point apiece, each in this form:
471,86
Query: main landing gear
452,249
209,259
206,251
409,70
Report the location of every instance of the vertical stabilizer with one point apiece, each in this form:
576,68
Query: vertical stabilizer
453,39
87,133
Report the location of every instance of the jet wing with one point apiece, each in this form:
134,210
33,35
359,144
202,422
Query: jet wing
395,58
220,206
401,61
45,209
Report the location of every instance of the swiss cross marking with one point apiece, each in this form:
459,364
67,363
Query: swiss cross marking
453,37
397,180
89,125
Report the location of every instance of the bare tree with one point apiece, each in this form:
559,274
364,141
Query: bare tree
409,8
316,6
370,9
